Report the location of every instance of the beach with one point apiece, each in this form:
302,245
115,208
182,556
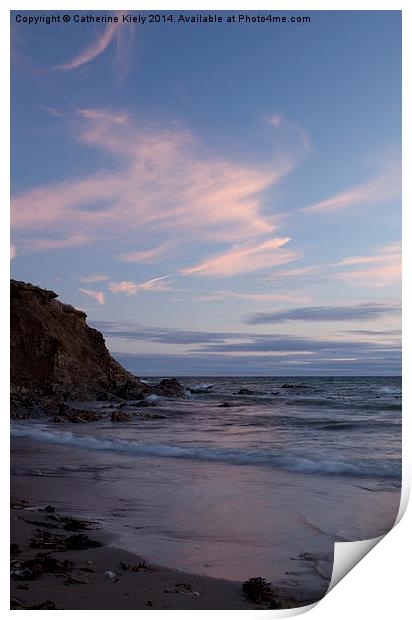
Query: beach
95,578
215,495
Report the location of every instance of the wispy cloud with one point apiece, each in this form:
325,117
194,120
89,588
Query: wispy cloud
97,295
29,246
157,285
360,312
370,270
375,270
382,188
245,259
116,32
228,342
161,185
280,121
214,353
150,255
93,278
255,297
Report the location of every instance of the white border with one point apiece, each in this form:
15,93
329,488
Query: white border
378,586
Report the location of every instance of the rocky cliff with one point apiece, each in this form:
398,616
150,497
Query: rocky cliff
55,353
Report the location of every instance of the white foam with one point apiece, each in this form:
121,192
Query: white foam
202,386
235,456
152,398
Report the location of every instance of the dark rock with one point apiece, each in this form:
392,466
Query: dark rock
246,392
143,565
51,526
151,416
79,416
284,603
259,590
14,549
225,404
69,523
56,355
74,525
48,540
171,388
81,541
145,403
121,416
41,563
76,580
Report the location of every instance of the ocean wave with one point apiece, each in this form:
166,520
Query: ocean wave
390,389
335,424
201,388
338,403
292,463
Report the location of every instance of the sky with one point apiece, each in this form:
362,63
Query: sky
221,199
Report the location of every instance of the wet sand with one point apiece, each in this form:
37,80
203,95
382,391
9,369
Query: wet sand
88,585
81,487
106,577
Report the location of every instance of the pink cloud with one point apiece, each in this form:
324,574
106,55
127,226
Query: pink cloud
383,269
42,244
161,186
113,32
97,295
156,285
381,189
93,278
148,256
292,273
245,259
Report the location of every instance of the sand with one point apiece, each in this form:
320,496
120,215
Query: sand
151,587
103,577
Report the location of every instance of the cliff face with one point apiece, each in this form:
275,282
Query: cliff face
54,351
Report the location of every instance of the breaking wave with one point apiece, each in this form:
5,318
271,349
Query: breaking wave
291,463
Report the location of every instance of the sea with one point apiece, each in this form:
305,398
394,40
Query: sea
246,476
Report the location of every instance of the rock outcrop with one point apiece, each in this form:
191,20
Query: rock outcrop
55,355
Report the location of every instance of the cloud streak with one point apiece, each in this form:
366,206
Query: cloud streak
96,295
242,342
160,185
240,353
360,312
245,259
279,121
93,278
157,285
381,189
114,32
375,270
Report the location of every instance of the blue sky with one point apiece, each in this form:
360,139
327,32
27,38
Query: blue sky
220,199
